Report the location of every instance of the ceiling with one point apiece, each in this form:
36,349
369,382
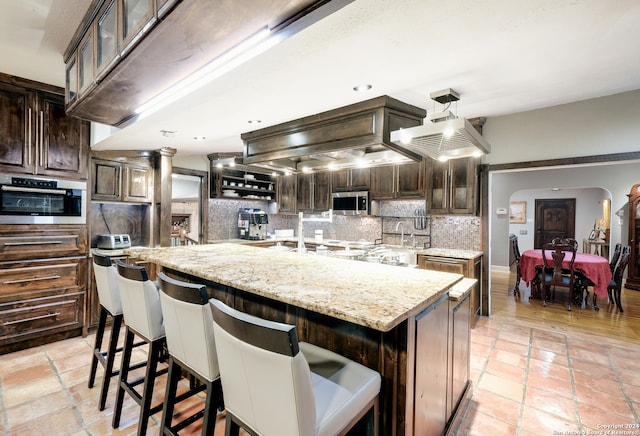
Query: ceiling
501,56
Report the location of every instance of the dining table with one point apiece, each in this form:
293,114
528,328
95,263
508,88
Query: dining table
593,267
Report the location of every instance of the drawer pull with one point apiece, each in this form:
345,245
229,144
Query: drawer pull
35,279
34,318
32,243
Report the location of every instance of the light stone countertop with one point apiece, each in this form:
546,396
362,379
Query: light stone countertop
449,252
369,294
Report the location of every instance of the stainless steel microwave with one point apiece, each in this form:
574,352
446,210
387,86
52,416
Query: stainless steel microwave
350,203
42,201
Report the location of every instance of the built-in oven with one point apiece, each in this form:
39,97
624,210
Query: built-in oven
350,203
42,201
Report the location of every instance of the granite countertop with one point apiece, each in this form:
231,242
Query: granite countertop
373,295
450,252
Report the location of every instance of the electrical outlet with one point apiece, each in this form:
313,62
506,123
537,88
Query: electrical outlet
523,232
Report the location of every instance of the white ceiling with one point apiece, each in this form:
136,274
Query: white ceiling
502,56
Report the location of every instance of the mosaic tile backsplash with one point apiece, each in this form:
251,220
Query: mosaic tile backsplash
446,231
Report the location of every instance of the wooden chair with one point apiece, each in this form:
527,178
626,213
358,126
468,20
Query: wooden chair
553,273
615,256
515,250
615,286
274,385
583,283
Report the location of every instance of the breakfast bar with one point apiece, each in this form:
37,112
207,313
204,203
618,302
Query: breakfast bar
392,319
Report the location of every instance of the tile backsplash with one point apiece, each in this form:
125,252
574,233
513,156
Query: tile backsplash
447,231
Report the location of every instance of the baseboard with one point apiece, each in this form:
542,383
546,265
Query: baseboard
500,269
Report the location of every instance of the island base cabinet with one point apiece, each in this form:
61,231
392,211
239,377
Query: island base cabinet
460,336
431,369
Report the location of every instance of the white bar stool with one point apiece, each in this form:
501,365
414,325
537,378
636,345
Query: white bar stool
274,385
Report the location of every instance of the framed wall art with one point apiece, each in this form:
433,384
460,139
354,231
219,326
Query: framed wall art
518,212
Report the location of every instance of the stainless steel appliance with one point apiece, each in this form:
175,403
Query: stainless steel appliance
252,224
350,203
114,242
42,201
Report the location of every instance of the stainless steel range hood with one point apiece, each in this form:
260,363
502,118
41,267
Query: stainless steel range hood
447,137
351,136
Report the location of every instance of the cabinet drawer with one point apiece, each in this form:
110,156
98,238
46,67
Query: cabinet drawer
30,318
28,279
18,244
442,264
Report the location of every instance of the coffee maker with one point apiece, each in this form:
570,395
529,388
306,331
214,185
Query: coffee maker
252,224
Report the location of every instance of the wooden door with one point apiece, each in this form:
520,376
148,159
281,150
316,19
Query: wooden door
383,182
410,180
16,129
303,196
322,191
555,218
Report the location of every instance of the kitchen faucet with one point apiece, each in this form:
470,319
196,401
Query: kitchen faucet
326,217
401,226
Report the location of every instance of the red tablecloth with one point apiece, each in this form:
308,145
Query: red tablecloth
595,268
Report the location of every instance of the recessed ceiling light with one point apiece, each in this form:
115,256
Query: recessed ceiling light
362,87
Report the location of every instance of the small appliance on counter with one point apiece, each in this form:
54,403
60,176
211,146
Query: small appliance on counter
252,224
114,242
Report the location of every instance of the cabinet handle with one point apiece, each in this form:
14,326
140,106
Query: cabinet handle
13,244
33,318
41,136
34,279
29,136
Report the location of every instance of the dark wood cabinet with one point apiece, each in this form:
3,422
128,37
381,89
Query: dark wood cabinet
471,268
116,180
287,193
313,192
398,181
354,179
633,274
452,186
36,136
43,270
241,181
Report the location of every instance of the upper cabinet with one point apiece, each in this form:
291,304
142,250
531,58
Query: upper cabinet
125,52
452,186
313,192
398,181
36,136
127,179
354,179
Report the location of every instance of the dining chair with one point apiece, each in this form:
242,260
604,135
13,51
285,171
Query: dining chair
615,256
274,385
554,273
515,250
188,323
615,285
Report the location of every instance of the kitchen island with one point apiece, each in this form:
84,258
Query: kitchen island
370,313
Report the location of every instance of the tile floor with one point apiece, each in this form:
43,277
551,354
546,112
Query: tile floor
526,382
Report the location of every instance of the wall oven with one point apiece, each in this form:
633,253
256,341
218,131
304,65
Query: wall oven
42,201
350,203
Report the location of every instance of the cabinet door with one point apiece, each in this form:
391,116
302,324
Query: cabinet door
383,182
63,142
304,190
322,191
443,264
460,355
86,66
16,122
360,179
106,180
138,183
462,177
437,188
287,194
136,14
410,180
340,180
106,39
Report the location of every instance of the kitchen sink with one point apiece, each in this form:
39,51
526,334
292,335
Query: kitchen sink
392,256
